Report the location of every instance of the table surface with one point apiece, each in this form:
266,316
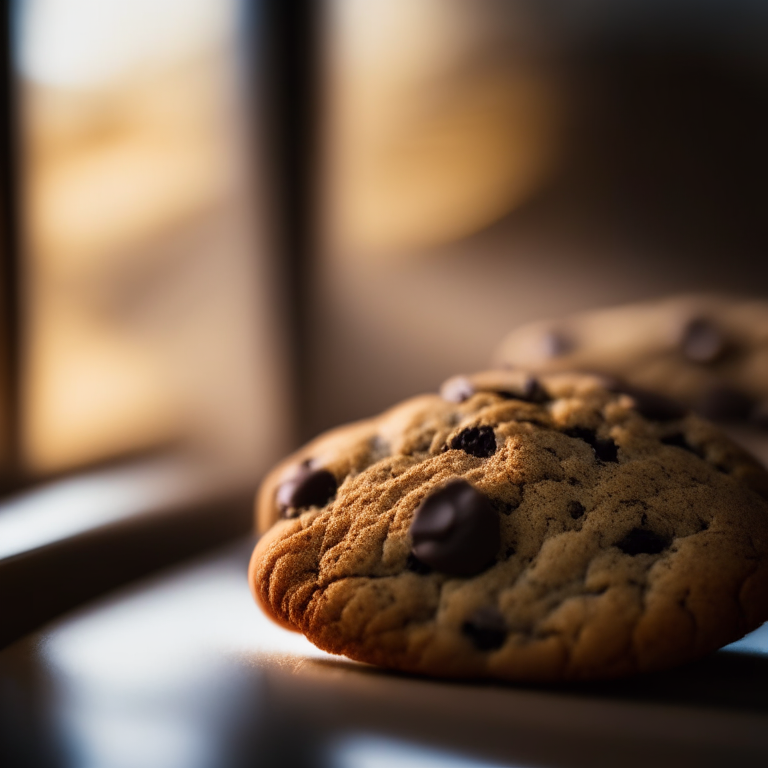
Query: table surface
183,670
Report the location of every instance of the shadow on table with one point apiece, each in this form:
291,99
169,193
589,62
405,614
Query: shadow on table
723,680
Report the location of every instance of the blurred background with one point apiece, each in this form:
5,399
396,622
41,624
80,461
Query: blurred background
228,225
458,168
486,163
146,319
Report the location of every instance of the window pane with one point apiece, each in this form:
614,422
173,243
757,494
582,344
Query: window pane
148,318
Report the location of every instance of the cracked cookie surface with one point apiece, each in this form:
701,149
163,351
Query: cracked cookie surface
609,534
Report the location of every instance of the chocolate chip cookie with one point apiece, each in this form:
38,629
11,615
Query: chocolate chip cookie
710,352
519,528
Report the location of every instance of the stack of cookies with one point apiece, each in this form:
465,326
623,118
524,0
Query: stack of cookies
526,526
708,352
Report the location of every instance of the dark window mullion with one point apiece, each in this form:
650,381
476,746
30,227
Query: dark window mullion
10,308
288,115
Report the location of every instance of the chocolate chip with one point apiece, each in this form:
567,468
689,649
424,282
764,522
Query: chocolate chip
575,509
702,341
414,564
288,486
555,344
486,628
456,530
307,488
678,440
642,542
582,433
531,391
652,405
725,403
605,449
457,389
476,441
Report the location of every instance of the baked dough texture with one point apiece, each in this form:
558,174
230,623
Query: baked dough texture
708,351
624,542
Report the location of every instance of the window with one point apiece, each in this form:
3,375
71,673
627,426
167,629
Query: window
148,315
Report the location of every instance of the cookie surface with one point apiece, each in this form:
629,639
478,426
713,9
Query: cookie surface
518,528
710,352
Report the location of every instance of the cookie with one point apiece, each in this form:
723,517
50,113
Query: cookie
709,352
518,528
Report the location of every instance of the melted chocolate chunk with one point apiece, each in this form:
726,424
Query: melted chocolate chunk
575,509
678,440
287,487
456,530
725,403
486,629
476,441
307,488
605,449
531,392
414,564
702,341
555,344
641,542
582,433
457,389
